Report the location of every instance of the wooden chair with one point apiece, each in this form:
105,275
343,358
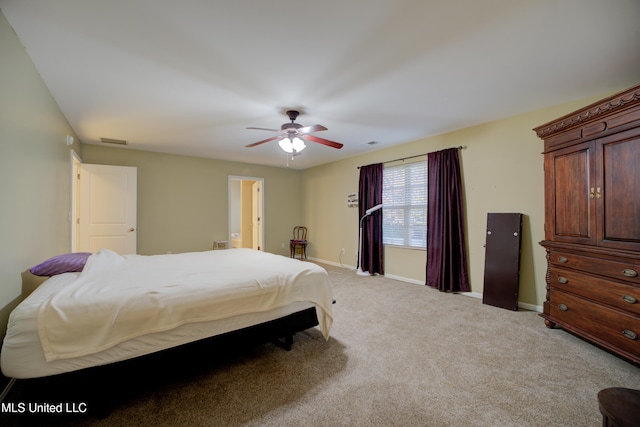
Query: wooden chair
299,241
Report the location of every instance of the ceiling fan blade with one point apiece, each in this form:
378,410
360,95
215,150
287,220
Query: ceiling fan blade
270,130
323,141
313,128
262,142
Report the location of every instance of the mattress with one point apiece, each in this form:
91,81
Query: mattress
23,355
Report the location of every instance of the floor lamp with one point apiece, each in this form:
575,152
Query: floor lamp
366,214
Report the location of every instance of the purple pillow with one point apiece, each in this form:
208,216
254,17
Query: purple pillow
66,263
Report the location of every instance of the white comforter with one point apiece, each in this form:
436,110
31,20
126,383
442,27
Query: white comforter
117,298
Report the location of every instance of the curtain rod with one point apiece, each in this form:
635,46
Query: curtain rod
460,147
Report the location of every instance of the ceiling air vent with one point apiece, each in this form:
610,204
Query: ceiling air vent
113,141
370,143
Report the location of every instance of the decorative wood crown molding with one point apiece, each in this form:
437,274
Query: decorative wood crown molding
606,106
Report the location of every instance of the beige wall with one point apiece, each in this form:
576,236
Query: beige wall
502,170
183,201
34,170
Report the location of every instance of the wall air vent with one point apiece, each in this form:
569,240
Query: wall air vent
114,141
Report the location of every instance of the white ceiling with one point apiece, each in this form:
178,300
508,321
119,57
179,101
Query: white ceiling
188,77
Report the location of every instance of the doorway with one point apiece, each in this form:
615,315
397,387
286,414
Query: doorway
246,212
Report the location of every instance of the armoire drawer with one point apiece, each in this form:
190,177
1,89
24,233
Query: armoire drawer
592,320
617,294
628,271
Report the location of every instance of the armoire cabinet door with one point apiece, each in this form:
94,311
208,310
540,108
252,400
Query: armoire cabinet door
618,196
571,207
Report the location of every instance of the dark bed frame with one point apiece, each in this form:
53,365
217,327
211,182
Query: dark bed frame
95,385
279,331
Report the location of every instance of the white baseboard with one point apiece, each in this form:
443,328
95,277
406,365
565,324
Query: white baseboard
335,264
522,305
404,279
472,294
478,295
530,307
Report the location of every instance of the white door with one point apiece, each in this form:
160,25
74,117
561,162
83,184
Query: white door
108,197
256,192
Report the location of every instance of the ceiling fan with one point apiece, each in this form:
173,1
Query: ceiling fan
292,135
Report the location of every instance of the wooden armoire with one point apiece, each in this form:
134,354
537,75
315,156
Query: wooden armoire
592,223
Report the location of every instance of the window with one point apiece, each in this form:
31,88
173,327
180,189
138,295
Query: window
404,196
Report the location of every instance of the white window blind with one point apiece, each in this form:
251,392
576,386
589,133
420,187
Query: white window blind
404,196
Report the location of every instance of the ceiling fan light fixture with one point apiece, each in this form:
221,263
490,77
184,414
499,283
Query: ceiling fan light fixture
298,144
286,145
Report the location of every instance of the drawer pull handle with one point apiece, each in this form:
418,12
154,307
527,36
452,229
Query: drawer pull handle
630,334
563,307
562,259
629,272
563,280
630,299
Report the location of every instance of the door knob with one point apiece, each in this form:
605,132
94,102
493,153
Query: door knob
132,229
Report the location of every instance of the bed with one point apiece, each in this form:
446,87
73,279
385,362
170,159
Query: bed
122,307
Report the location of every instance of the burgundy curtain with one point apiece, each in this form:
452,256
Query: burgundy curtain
370,195
446,247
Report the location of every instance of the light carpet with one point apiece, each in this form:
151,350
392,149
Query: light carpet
400,354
